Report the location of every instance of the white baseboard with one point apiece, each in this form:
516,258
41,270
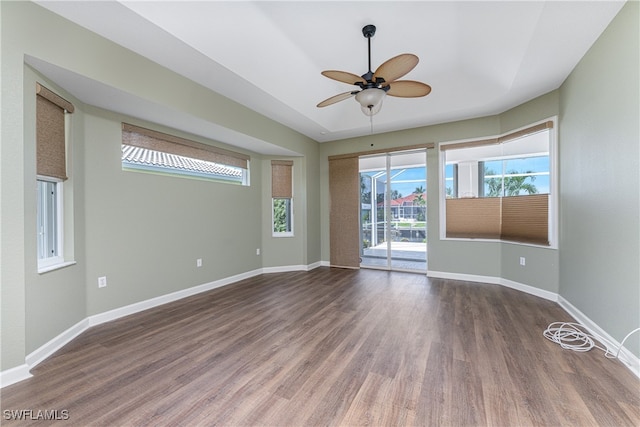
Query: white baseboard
284,269
314,265
14,375
46,350
532,290
328,264
465,277
552,296
630,360
19,373
119,312
287,268
626,357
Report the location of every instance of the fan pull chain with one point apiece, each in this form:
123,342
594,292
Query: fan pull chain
371,122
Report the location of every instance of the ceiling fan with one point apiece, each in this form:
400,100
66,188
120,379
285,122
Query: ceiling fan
375,85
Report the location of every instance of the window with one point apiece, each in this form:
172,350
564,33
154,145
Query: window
51,174
282,218
501,188
49,215
451,180
282,197
151,151
514,177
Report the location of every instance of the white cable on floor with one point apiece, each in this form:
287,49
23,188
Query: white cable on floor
623,340
573,336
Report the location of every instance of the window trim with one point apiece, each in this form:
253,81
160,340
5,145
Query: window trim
53,141
275,233
185,149
550,124
159,170
282,189
51,263
155,140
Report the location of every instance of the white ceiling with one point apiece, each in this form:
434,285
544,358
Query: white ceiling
480,57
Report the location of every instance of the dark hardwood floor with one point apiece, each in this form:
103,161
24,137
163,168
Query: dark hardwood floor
332,347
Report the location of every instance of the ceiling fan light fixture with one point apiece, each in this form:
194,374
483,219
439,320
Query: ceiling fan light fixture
375,85
370,100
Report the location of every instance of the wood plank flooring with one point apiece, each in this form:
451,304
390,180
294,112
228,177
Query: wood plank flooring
332,347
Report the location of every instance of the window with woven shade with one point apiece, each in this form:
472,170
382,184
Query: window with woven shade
282,197
501,188
51,170
50,133
147,150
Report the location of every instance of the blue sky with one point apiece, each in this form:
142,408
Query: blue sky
405,180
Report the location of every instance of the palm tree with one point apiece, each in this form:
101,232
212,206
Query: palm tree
513,185
420,202
395,194
365,189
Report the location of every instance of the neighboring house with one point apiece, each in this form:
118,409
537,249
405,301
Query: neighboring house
155,161
409,207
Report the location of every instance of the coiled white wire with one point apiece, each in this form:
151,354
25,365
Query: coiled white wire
573,336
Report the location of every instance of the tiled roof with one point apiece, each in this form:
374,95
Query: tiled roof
143,156
407,200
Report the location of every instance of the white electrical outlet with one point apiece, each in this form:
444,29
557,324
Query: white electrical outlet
258,251
199,262
102,281
522,261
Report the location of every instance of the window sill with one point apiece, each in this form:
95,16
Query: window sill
509,242
282,235
55,267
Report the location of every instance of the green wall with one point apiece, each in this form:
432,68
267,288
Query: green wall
56,300
600,182
143,231
480,258
596,267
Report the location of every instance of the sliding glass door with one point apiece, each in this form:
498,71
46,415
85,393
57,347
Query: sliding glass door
393,206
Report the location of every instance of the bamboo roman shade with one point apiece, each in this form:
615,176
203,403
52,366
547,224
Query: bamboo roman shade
50,133
281,187
428,145
469,144
157,141
500,140
344,199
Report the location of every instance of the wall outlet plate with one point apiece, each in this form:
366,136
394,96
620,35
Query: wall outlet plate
102,281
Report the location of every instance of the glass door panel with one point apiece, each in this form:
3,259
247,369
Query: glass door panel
408,209
373,213
393,211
